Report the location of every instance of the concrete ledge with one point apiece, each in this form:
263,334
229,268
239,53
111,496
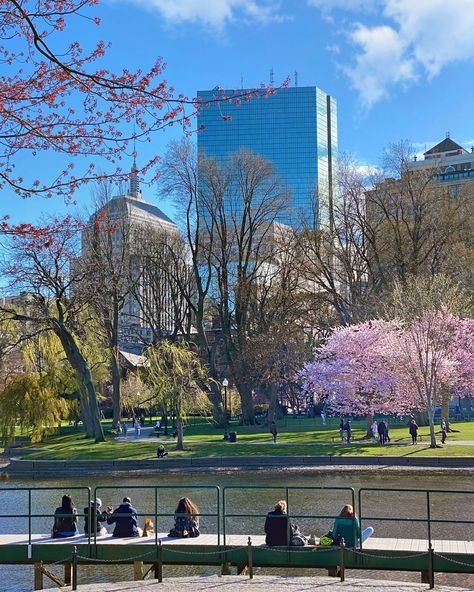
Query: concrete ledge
42,468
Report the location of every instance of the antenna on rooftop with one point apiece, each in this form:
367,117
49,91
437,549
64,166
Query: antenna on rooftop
296,78
448,134
272,77
241,82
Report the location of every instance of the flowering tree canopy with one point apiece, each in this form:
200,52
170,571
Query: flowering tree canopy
393,366
54,99
350,372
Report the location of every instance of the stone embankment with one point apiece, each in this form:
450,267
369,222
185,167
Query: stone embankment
264,584
23,467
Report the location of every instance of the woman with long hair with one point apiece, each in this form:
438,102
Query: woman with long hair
347,527
65,519
186,519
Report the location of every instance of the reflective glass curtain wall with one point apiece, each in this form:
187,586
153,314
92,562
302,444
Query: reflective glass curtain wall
295,129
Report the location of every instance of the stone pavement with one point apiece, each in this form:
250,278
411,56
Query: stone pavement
263,584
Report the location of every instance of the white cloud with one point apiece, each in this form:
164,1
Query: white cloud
333,48
348,5
368,170
380,62
214,13
412,39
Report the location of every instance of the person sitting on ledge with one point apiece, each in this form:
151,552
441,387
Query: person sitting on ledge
186,519
161,452
100,517
276,526
347,527
125,518
65,519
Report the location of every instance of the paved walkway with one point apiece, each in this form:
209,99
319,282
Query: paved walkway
146,437
264,584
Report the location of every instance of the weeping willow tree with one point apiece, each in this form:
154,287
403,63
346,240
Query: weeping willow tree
48,391
177,376
29,402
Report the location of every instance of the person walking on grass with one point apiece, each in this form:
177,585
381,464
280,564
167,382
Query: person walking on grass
374,429
444,430
348,430
382,428
274,432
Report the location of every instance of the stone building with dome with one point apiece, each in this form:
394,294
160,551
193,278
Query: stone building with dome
113,235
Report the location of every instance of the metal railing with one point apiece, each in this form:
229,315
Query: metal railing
428,495
30,516
287,498
156,504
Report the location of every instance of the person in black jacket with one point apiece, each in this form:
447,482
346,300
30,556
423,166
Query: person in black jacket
276,525
65,519
413,429
125,518
100,517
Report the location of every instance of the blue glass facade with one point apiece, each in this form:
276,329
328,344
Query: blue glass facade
295,129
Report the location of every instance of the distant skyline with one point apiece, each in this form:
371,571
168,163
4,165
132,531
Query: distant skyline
398,69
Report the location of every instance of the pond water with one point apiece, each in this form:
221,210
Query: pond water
246,499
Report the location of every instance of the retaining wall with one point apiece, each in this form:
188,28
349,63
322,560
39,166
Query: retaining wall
20,467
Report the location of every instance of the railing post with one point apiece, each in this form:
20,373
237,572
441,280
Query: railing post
428,516
74,568
250,558
160,563
431,581
29,516
341,570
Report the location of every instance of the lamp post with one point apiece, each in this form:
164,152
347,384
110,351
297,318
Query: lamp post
225,384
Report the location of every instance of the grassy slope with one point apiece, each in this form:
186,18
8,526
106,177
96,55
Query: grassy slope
297,437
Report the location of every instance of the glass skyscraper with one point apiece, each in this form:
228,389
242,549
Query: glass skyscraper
295,129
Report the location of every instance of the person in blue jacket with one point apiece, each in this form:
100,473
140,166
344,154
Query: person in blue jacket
347,527
125,518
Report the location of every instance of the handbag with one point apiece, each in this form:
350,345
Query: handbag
297,539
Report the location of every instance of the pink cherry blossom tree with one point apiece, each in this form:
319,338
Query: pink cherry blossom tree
393,366
351,373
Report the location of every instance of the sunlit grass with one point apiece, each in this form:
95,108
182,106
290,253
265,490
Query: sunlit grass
297,437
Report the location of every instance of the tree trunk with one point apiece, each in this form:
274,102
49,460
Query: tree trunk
116,385
431,412
246,400
369,421
89,404
274,411
179,429
445,398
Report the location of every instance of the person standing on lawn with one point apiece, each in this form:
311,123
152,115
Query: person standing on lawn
274,432
413,429
444,430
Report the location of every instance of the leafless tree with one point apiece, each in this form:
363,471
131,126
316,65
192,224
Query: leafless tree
40,266
106,259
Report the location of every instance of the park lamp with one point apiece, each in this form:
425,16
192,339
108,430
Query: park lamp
225,384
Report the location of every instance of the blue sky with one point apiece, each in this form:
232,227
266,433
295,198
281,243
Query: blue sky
399,69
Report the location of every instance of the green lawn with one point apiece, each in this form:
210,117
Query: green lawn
297,437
